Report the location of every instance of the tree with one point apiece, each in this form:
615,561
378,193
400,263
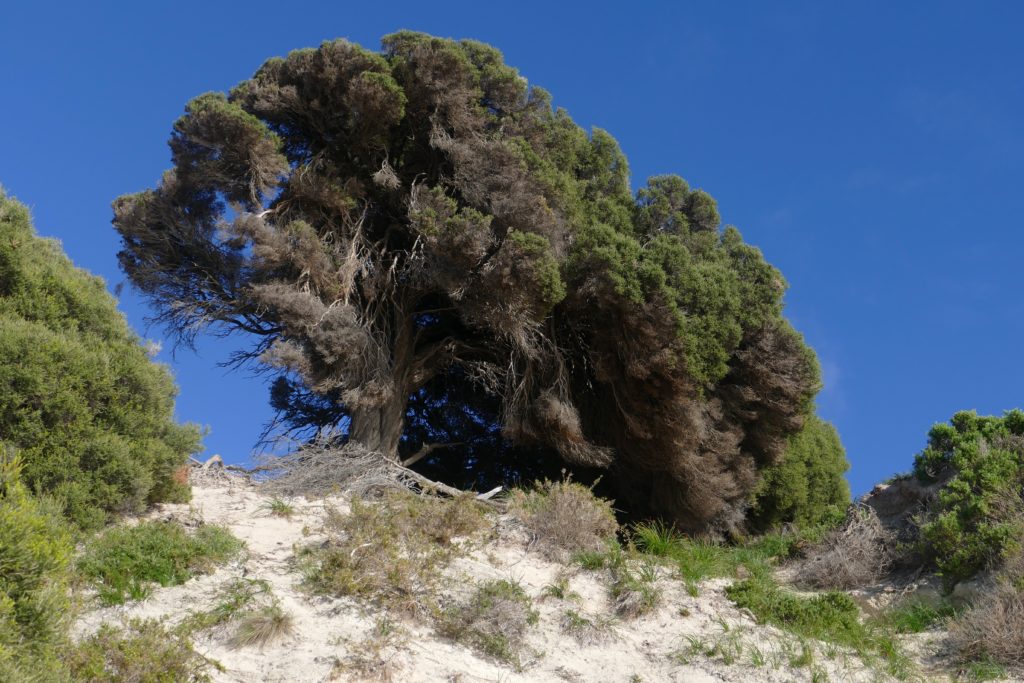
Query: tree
421,247
89,413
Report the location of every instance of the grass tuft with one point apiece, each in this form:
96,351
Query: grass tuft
262,627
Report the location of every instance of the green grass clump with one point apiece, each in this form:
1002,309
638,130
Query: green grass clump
144,652
915,616
123,562
392,552
830,617
697,559
494,620
278,507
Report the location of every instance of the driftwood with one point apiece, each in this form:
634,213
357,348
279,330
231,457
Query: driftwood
321,468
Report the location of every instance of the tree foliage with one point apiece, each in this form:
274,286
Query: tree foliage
806,487
978,518
425,251
88,412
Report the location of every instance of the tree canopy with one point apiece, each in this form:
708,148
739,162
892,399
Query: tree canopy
89,413
425,252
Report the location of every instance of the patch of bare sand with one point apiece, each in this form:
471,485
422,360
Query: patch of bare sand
686,639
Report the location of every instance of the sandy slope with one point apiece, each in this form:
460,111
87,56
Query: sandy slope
329,631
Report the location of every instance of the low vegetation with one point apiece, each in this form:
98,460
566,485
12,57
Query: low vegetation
493,619
123,562
831,617
142,652
262,626
991,631
565,518
392,552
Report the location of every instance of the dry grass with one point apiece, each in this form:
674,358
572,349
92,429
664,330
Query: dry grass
494,620
993,628
263,627
372,658
857,554
393,552
565,518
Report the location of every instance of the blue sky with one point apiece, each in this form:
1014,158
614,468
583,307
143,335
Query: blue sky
873,150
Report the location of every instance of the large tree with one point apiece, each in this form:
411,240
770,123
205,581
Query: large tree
421,246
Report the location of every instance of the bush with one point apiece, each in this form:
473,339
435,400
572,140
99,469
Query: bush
90,414
392,552
992,629
565,518
123,561
35,548
978,518
494,619
144,652
806,487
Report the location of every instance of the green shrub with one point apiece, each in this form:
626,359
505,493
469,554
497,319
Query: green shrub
978,518
144,652
806,487
35,548
90,414
124,561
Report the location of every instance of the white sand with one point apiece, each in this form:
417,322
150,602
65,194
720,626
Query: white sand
328,631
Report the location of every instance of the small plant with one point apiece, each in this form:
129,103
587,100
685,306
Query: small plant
565,518
123,560
263,626
656,538
143,652
634,590
278,507
370,658
586,631
494,620
559,589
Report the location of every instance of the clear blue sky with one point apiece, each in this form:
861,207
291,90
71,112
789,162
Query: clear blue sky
873,150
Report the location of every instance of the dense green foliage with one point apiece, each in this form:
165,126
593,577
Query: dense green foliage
90,415
978,518
35,548
807,486
426,252
123,561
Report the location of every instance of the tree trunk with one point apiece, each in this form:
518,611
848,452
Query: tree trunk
380,428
